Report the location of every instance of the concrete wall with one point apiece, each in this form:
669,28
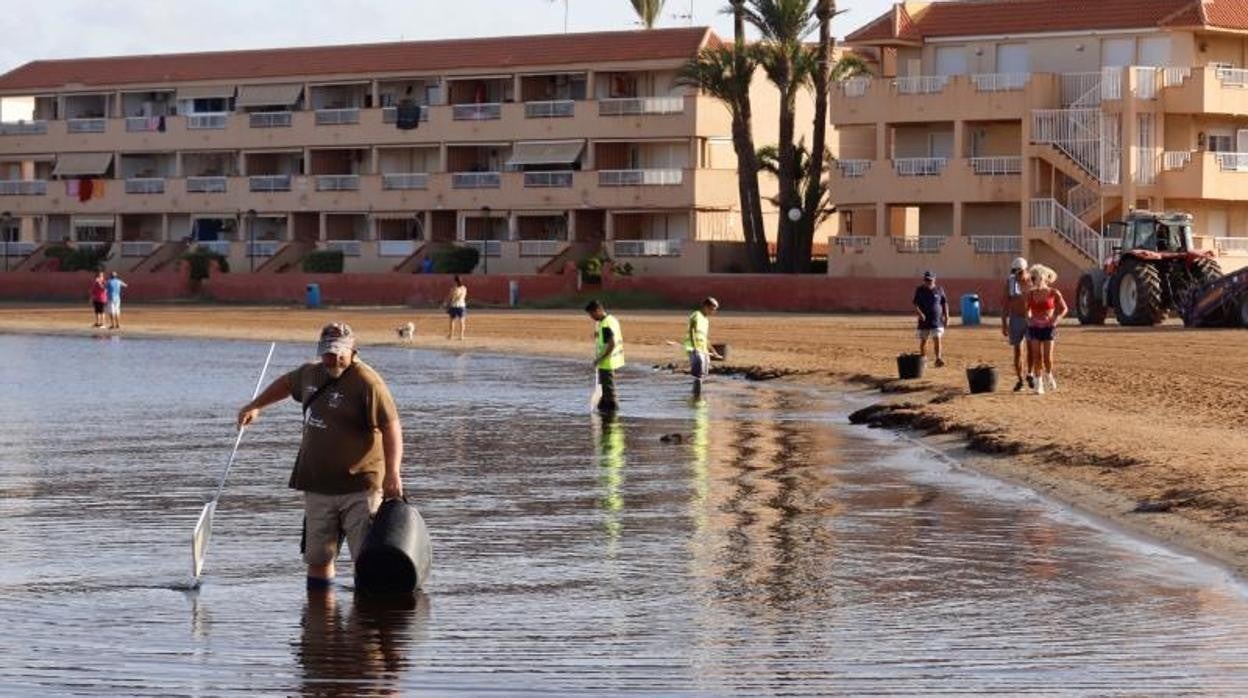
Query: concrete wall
992,219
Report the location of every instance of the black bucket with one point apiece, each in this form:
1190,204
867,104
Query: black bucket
910,366
721,349
982,379
397,555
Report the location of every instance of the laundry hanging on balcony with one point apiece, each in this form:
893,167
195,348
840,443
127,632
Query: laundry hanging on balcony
407,115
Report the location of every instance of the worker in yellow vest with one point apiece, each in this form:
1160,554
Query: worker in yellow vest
608,353
698,340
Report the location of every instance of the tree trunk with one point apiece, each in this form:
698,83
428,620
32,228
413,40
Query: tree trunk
825,10
785,252
747,159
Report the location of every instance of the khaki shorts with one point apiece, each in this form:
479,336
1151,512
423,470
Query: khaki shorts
328,518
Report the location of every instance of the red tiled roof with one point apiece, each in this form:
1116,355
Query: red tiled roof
983,17
413,57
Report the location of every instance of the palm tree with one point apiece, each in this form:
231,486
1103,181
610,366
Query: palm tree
648,11
819,190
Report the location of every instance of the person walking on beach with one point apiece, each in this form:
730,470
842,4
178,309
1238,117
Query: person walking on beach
608,354
698,341
1045,309
351,449
932,305
99,298
457,308
1014,319
114,285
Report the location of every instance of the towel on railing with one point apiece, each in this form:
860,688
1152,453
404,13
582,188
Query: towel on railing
160,123
84,189
97,188
407,115
71,188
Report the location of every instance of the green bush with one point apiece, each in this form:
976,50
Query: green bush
622,268
591,267
79,258
200,261
324,262
456,260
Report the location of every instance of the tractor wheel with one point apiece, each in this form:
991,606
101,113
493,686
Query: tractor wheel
1088,305
1243,311
1139,296
1206,270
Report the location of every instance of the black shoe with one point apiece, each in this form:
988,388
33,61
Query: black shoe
1018,387
1031,381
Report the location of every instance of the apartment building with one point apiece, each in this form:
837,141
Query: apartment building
536,150
1006,127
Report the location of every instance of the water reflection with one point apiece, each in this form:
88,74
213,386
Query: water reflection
608,432
363,651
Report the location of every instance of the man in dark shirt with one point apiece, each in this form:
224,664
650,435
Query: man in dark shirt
933,309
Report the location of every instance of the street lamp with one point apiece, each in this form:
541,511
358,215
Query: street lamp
485,245
4,230
251,237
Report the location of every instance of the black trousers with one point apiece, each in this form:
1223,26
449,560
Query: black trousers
606,379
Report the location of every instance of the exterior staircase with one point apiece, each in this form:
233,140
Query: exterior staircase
1075,240
161,257
287,258
33,261
411,263
574,252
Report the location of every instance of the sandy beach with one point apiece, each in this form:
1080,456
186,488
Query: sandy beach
1146,429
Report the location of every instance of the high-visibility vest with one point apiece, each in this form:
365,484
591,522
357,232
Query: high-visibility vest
615,359
699,331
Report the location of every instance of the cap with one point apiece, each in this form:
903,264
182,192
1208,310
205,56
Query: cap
928,275
336,338
710,300
1018,264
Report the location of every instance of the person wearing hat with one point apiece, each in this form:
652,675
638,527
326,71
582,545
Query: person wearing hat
698,340
1014,319
351,449
932,306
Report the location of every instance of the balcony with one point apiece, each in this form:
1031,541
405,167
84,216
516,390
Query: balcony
23,187
1207,90
390,115
145,185
23,128
337,182
486,248
143,124
853,168
920,167
137,248
396,248
337,117
997,166
1001,82
404,181
640,178
923,244
348,248
476,180
13,250
262,248
558,109
1231,247
647,248
541,248
206,122
1204,175
921,84
269,183
270,119
477,112
86,125
547,180
641,105
221,247
926,98
207,185
996,244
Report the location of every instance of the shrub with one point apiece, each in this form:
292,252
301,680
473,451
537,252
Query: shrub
200,261
324,262
456,260
79,258
622,268
591,268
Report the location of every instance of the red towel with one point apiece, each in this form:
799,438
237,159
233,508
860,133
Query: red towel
84,189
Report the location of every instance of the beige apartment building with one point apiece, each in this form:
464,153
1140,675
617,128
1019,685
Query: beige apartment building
536,150
1008,127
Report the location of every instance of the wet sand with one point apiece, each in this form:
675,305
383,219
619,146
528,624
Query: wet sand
1150,419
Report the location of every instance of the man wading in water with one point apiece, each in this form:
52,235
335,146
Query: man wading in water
608,354
351,449
698,342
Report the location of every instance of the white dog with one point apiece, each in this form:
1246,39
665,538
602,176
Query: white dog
406,331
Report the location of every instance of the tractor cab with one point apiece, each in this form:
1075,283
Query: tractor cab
1150,235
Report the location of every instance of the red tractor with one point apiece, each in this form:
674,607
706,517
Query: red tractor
1152,274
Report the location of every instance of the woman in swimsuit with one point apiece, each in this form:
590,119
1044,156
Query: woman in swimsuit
1045,309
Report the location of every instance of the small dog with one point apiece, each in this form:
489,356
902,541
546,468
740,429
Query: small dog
407,331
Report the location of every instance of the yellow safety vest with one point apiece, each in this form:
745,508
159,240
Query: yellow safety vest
700,329
615,359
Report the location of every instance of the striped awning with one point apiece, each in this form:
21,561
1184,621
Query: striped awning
81,164
268,95
205,92
545,153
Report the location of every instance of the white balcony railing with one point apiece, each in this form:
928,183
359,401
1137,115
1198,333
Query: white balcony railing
91,245
140,124
1232,77
476,180
263,183
541,248
337,117
18,248
1235,247
548,180
23,187
262,248
640,178
145,185
641,105
1175,160
1232,162
1051,215
489,111
86,125
856,87
853,168
1147,82
137,248
920,167
998,166
405,180
396,248
997,244
923,244
221,247
207,185
23,128
854,243
216,120
557,109
270,119
348,248
1111,83
1174,77
337,182
921,84
647,248
487,248
1000,82
1081,89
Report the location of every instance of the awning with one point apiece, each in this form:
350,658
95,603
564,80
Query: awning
548,153
206,92
398,215
81,164
94,222
268,95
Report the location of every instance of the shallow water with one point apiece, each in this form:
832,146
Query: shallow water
774,551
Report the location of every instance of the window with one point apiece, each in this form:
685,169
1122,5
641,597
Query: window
1221,143
215,104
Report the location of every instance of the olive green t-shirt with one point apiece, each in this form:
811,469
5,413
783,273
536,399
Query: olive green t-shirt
341,450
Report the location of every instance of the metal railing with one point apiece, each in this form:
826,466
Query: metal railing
640,178
920,167
489,111
853,168
1174,77
1082,199
996,244
18,248
1081,89
405,180
641,105
396,248
91,245
207,185
262,248
921,84
337,182
262,183
23,128
923,244
541,248
1111,83
1000,82
138,124
1236,247
137,248
855,87
348,248
216,120
1232,162
86,125
1175,160
1147,81
647,248
997,166
390,115
556,109
1051,215
857,243
221,247
487,248
1232,77
23,187
548,180
476,180
270,119
1147,166
1080,135
145,185
337,117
